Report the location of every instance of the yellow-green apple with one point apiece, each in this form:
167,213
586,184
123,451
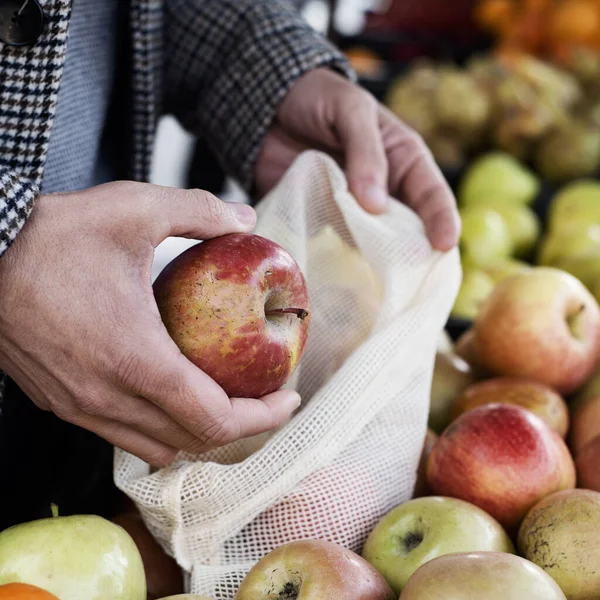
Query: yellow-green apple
163,575
502,458
481,576
451,375
523,224
596,290
314,570
465,348
498,175
422,529
585,423
569,243
587,463
82,557
475,287
585,268
543,325
503,268
537,397
576,203
485,236
561,534
237,306
422,485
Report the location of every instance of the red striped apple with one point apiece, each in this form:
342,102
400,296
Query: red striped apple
237,306
311,570
532,395
481,576
542,324
502,458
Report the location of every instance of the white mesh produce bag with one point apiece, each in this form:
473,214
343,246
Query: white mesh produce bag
380,296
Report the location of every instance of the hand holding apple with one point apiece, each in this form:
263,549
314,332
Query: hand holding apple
314,570
561,534
237,307
481,576
420,530
502,458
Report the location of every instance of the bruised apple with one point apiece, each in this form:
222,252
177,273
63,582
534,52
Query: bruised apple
237,306
540,399
502,458
542,324
314,570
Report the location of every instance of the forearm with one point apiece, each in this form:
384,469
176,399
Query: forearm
229,64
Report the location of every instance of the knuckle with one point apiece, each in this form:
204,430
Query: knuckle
90,405
159,457
130,372
219,431
212,210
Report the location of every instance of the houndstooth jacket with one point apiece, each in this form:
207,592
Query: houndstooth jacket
220,66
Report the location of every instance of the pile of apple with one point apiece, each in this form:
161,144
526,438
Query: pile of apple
502,235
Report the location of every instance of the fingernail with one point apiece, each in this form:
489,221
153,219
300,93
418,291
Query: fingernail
295,400
376,198
245,214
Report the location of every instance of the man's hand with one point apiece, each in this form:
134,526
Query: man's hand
381,155
80,332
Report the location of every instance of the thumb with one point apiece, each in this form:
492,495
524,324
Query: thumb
366,162
195,214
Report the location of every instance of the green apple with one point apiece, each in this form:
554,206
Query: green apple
423,529
498,175
575,204
523,224
485,236
475,288
81,557
481,576
561,534
577,240
505,267
451,376
585,268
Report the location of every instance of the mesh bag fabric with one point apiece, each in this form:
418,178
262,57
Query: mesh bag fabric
379,297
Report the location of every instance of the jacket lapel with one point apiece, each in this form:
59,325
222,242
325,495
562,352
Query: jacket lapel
29,82
147,30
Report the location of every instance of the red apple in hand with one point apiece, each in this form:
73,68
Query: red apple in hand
237,307
313,570
502,458
542,324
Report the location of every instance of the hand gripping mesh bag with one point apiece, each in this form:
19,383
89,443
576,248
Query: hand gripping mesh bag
380,297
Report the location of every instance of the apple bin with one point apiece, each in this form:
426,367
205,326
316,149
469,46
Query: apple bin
379,297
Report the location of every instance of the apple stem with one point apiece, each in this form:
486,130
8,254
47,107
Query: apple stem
301,313
54,509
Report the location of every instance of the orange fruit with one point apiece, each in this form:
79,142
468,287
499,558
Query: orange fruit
574,20
24,591
494,15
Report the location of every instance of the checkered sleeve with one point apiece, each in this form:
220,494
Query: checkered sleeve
17,197
229,64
